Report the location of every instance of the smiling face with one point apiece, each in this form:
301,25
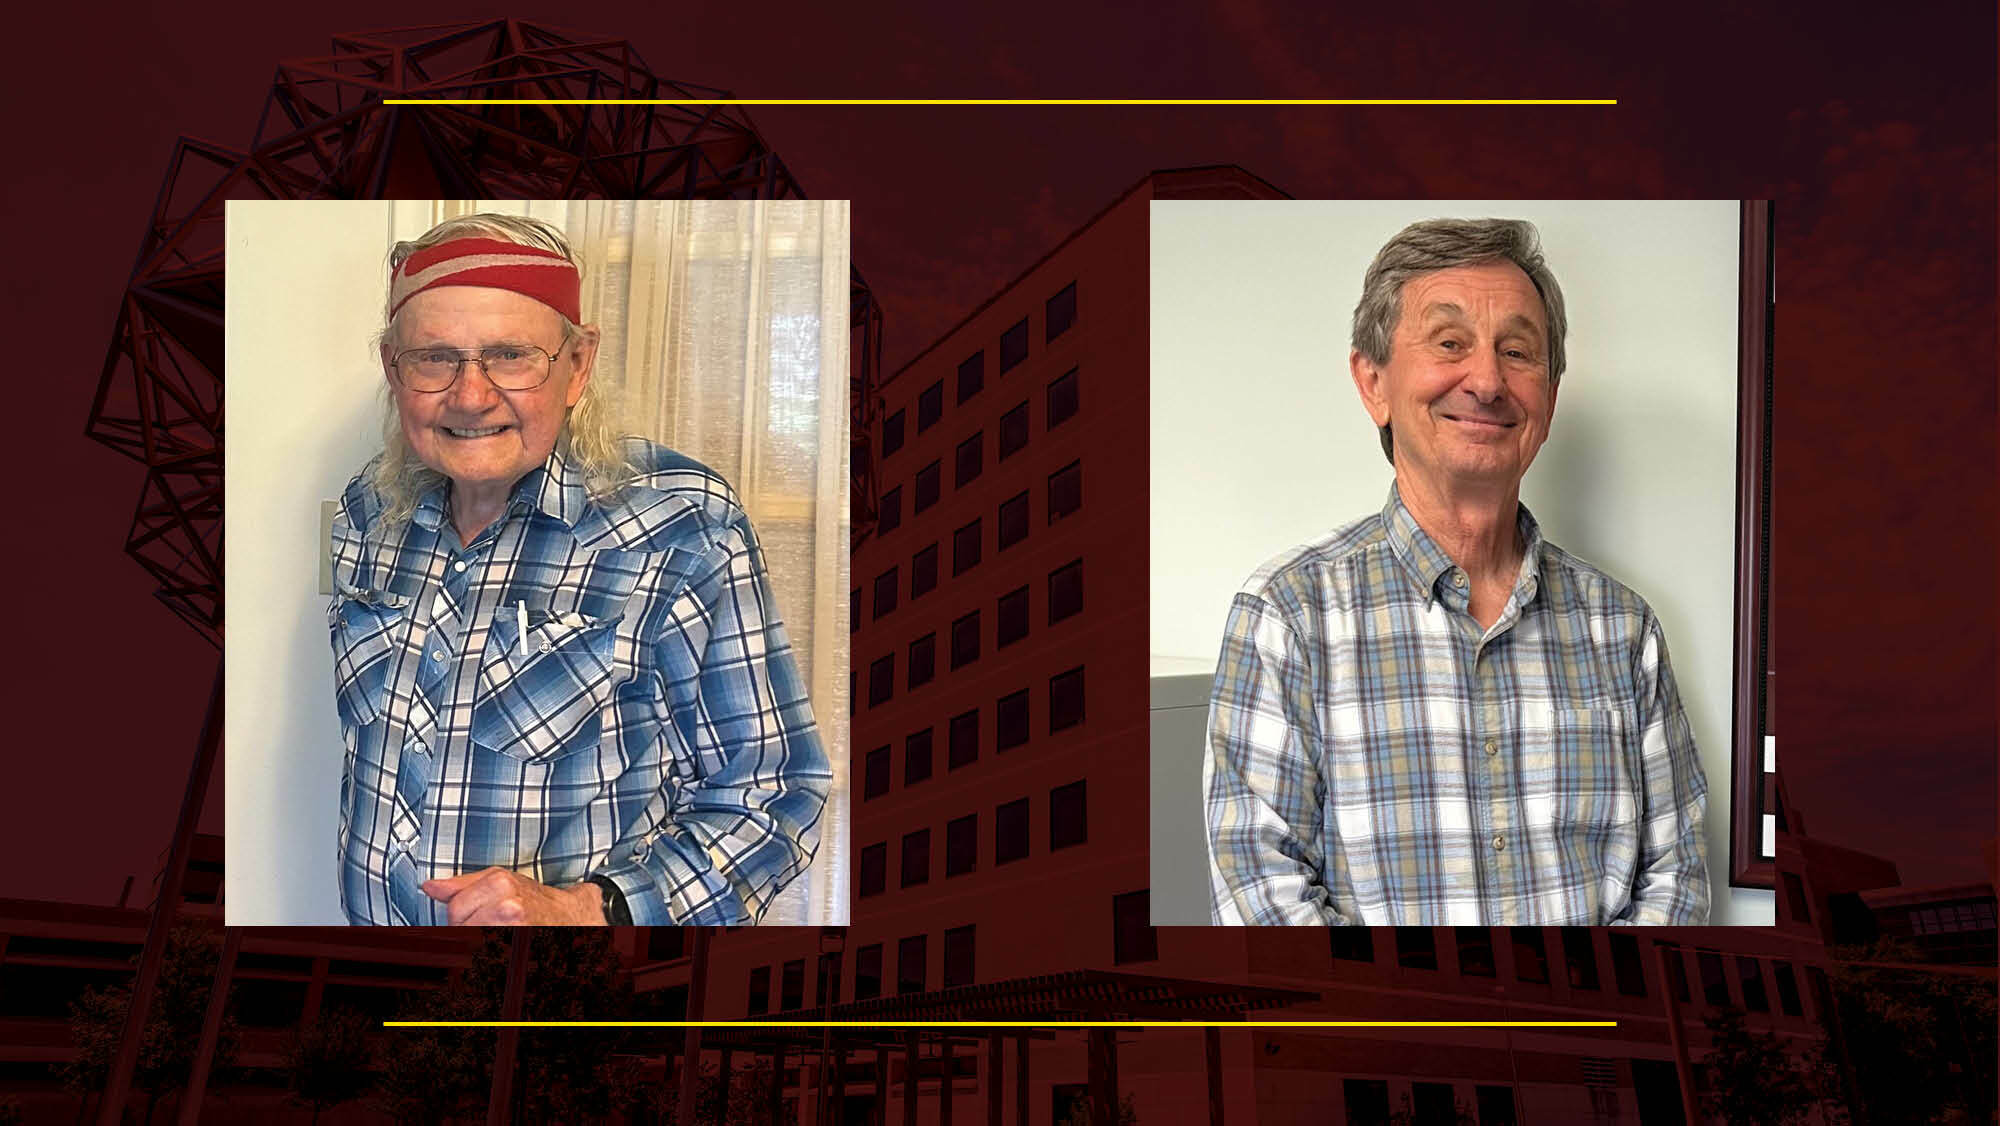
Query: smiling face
1466,389
482,437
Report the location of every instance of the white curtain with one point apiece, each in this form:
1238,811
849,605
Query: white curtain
725,334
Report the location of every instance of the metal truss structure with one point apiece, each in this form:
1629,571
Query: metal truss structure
325,133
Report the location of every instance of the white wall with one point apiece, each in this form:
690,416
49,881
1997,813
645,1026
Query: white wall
1259,442
303,412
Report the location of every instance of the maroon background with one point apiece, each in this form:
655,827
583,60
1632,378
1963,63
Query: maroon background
1876,140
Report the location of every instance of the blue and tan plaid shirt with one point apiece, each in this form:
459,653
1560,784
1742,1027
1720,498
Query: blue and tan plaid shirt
650,727
1376,757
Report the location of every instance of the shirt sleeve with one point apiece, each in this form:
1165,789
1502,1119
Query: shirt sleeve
1671,885
748,822
1262,790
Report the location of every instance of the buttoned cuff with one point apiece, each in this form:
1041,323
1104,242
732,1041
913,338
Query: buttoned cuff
662,889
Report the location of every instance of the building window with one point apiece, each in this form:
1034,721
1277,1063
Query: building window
927,488
1416,948
910,955
826,983
1714,979
891,515
892,433
1367,1101
885,592
1795,898
923,659
923,572
664,944
958,956
874,877
868,972
930,406
1133,938
876,773
881,680
965,640
1066,591
1013,346
961,845
1580,957
1750,977
1013,624
917,757
1496,1105
963,747
965,549
1063,399
1010,721
1065,700
1531,956
1352,944
1677,973
1065,491
1013,431
1069,816
1010,831
854,610
972,375
1013,521
760,990
1626,969
1788,989
1475,951
1060,312
968,461
792,993
916,858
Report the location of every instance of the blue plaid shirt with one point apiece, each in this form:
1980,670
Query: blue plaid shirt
1375,756
650,727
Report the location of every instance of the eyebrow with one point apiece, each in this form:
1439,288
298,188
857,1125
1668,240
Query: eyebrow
1446,312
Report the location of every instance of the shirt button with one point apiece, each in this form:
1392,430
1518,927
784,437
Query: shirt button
1499,842
437,655
419,746
458,566
1492,747
1458,578
546,646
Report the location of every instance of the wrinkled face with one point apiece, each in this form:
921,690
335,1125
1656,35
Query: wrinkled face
480,436
1466,391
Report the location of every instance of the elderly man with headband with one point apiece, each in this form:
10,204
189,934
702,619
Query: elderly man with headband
1433,715
566,693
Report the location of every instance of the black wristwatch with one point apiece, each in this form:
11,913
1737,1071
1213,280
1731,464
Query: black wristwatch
616,913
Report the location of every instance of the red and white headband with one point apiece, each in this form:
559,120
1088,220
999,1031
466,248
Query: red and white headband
544,275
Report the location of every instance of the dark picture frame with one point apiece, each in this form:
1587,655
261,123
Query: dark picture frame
1753,789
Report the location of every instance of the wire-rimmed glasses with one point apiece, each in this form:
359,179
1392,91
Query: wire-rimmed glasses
510,367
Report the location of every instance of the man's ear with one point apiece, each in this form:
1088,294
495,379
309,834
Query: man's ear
1373,385
581,350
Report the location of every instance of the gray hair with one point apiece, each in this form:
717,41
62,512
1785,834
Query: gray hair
1442,244
592,433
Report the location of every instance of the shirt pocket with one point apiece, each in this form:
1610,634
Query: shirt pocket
543,700
1591,795
362,625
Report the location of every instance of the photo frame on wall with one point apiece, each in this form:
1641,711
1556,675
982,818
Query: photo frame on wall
1755,815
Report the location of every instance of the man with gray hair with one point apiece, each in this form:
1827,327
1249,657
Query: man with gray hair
565,690
1433,715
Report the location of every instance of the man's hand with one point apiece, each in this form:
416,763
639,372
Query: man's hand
496,897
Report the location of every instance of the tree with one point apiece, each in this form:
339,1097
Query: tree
1919,1045
172,1035
560,1075
1080,1113
331,1062
1751,1077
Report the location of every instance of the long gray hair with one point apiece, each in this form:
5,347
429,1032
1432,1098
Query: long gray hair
1442,244
592,434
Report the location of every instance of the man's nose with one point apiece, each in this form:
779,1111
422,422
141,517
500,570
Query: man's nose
473,392
1482,376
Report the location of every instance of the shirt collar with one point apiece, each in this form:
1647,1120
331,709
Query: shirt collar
1426,563
556,489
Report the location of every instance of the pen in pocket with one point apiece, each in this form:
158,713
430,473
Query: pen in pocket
521,622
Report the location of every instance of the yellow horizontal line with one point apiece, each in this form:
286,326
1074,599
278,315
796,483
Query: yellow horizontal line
999,1024
999,101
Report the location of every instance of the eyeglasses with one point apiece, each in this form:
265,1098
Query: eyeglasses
510,367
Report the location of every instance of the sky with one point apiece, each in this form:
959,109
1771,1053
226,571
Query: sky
1877,143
